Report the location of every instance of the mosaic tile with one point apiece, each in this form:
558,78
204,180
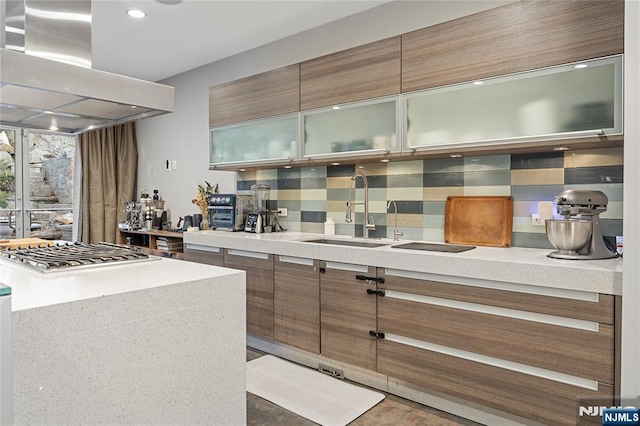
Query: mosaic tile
613,191
313,172
288,184
289,194
487,190
345,229
336,206
545,160
537,177
433,235
339,182
373,169
412,207
525,208
377,206
433,207
245,185
614,210
378,194
294,226
293,173
611,227
536,192
313,194
487,178
313,183
443,165
316,228
267,174
338,194
313,205
313,216
585,175
441,194
525,239
342,170
405,181
443,179
523,224
594,157
487,163
433,221
373,181
414,167
406,220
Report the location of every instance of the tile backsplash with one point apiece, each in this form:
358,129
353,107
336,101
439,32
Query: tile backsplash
421,187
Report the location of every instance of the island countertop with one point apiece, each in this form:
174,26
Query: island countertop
517,265
33,289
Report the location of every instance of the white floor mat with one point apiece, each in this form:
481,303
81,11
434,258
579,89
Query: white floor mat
308,393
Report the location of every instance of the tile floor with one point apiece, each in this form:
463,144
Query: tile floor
392,411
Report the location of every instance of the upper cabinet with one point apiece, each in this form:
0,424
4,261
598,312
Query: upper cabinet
360,128
270,93
576,100
364,72
516,37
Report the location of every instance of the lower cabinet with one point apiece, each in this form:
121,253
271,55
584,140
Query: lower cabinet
204,254
348,313
493,347
296,302
259,268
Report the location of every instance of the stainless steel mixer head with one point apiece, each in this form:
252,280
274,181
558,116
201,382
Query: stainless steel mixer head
574,201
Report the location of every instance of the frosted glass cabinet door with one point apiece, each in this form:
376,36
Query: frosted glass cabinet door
575,100
261,140
351,129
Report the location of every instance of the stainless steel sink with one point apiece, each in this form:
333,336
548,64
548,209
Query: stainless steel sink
346,243
446,248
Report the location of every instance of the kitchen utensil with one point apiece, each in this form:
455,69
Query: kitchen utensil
187,222
196,219
479,221
574,240
568,235
228,211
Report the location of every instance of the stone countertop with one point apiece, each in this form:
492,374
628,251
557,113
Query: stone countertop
33,289
510,265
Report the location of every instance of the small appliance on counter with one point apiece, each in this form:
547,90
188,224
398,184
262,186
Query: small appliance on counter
228,211
578,239
259,220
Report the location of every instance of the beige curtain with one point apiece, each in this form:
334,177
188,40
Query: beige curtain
109,166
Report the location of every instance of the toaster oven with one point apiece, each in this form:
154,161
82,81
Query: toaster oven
228,211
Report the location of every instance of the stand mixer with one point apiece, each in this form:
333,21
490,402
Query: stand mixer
578,239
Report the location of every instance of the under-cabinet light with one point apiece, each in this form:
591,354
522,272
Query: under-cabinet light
336,107
53,127
478,83
580,66
455,155
385,160
561,148
135,13
335,164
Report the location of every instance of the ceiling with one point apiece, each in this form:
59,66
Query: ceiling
177,38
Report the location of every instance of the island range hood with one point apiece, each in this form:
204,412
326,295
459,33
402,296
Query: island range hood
46,79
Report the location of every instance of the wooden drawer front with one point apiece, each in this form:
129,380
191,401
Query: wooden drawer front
535,398
516,37
296,303
600,310
263,95
347,315
210,257
259,289
364,72
582,353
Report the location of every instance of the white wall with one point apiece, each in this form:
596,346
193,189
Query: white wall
183,135
631,285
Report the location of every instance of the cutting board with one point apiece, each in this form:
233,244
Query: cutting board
481,221
24,242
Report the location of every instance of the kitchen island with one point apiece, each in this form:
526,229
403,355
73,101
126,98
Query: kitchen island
153,342
496,335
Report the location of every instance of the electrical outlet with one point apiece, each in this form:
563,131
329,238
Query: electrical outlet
168,165
282,212
536,220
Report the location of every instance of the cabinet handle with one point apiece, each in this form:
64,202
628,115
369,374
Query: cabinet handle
376,334
374,279
376,292
323,270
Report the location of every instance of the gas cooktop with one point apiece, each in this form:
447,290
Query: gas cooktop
72,255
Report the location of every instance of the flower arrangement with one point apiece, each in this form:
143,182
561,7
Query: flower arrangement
202,200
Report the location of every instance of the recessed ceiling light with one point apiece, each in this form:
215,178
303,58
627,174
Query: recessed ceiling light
135,13
478,83
580,66
561,148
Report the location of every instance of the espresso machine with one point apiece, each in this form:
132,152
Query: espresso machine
578,238
259,220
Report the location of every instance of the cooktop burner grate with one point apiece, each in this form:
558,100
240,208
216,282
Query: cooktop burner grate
62,257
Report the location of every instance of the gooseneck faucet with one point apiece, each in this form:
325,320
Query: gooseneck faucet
396,231
368,222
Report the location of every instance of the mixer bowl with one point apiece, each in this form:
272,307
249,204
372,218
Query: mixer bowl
568,235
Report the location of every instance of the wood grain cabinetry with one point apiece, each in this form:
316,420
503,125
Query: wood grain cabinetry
207,255
363,72
348,314
527,354
147,242
516,37
259,269
263,95
296,304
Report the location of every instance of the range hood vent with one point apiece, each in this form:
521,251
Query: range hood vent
46,79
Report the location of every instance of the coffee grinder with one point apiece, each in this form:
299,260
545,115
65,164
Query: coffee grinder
259,220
